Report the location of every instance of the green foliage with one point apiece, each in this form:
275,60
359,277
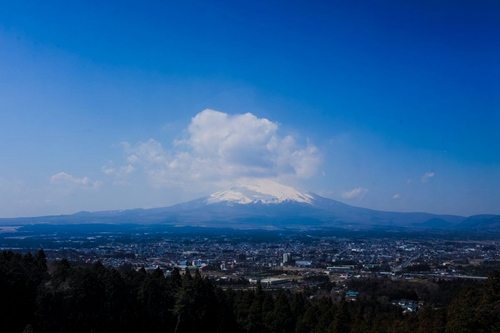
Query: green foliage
20,277
377,288
462,312
101,299
282,320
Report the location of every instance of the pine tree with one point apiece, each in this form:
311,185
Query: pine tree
488,312
282,316
462,312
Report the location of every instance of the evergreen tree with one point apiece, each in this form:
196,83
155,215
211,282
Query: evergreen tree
488,312
462,312
153,297
255,321
308,321
267,310
226,320
342,319
242,305
282,316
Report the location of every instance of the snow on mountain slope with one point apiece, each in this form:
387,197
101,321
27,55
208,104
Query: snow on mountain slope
260,191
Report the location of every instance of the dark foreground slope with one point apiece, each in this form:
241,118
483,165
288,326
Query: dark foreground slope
102,299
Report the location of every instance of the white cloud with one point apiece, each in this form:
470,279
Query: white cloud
121,172
108,171
395,196
425,178
65,179
356,193
222,148
121,175
125,170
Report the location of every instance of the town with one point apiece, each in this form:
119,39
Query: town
276,258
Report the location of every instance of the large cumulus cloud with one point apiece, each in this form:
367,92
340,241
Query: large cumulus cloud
221,148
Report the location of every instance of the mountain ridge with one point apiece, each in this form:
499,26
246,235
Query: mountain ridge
264,204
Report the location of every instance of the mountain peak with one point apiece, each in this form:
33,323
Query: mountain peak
260,191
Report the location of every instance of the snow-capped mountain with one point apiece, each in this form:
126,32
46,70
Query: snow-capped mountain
261,204
260,191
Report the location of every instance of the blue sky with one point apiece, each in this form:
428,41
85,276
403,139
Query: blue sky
390,105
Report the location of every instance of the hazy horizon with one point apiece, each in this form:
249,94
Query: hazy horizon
389,106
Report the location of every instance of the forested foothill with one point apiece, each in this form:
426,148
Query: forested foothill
69,298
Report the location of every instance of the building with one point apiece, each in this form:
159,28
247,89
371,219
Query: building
287,257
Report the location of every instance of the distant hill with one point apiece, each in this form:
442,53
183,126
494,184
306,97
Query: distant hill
481,223
270,205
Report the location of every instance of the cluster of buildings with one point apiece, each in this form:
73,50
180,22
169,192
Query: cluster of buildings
276,260
246,254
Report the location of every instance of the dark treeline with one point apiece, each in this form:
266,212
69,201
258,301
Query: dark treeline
101,299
